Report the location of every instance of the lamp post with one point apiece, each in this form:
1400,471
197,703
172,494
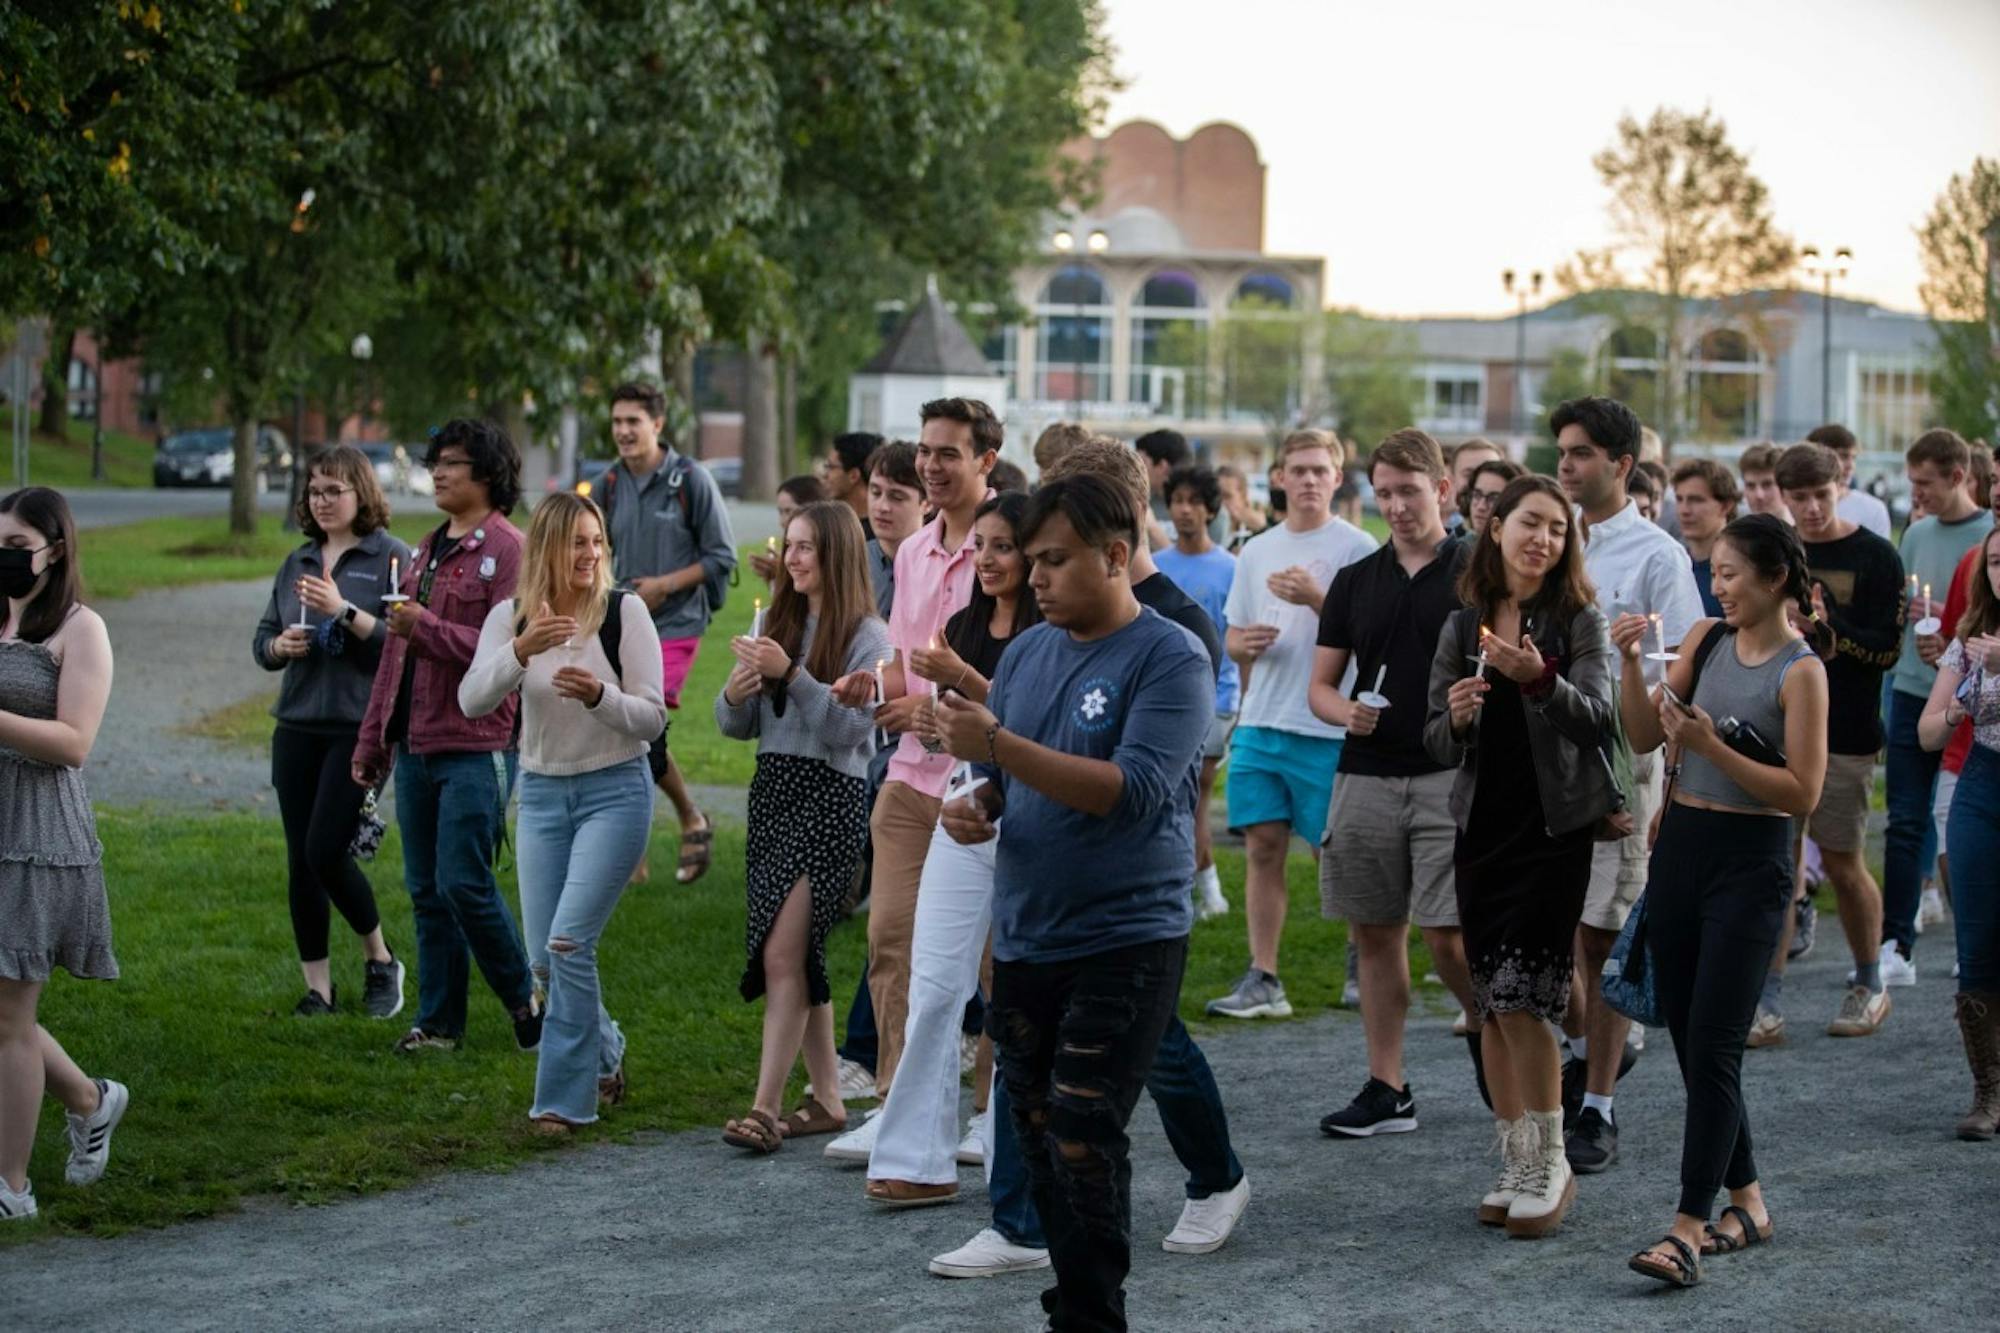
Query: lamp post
1826,270
1096,243
1531,287
363,350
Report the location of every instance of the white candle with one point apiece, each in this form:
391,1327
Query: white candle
757,618
1659,631
1376,688
1927,599
1483,633
881,692
395,582
302,615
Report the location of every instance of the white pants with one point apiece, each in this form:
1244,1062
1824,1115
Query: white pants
917,1139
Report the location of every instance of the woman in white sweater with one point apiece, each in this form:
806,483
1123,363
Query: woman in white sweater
808,804
587,715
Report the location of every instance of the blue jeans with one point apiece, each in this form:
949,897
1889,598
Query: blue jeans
1972,841
452,810
579,839
1912,775
1190,1106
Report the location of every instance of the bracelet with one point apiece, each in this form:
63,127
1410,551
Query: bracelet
992,735
959,684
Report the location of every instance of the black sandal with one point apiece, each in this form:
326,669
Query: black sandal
1681,1268
1721,1242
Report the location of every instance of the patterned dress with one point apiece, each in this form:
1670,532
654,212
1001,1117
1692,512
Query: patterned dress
1520,892
53,908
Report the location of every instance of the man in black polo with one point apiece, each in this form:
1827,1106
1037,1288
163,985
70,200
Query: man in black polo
1387,858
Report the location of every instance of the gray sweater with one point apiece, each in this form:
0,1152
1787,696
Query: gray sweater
813,725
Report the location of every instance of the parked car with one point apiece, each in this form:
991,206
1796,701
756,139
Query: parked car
207,457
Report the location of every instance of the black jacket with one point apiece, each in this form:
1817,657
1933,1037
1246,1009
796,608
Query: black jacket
329,686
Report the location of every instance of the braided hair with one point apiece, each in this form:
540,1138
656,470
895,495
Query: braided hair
1774,550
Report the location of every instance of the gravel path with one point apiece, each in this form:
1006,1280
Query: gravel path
1884,1221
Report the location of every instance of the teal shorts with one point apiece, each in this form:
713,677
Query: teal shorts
1280,777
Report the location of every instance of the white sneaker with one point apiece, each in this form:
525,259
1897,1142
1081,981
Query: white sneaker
1635,1036
17,1207
1208,899
989,1254
857,1084
1896,969
972,1148
1206,1223
858,1143
1931,911
90,1135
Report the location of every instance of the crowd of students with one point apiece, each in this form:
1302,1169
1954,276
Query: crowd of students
1548,715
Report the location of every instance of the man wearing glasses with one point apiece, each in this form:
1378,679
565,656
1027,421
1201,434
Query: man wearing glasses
453,773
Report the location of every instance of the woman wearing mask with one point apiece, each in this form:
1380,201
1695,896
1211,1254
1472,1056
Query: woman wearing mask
588,714
917,1148
55,676
321,630
1521,702
808,812
1720,882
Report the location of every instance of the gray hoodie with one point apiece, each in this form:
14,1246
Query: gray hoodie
329,686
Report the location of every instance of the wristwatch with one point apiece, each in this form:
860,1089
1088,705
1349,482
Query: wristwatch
348,611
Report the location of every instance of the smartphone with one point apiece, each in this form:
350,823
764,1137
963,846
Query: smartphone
1969,687
1676,700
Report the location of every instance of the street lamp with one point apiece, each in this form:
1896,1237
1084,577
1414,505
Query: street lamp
363,350
1096,243
1826,270
1532,287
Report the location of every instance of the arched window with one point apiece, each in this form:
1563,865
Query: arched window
1725,379
1268,287
1170,344
1073,354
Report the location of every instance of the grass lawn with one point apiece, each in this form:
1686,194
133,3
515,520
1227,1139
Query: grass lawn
232,1097
179,552
65,464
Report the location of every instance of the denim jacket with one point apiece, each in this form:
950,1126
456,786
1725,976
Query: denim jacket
330,685
1567,725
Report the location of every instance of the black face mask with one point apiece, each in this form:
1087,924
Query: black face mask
17,570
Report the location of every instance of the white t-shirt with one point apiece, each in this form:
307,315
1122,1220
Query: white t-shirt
1857,506
1276,697
1639,569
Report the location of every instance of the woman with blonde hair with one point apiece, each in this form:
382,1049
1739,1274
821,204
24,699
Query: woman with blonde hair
324,631
808,803
587,664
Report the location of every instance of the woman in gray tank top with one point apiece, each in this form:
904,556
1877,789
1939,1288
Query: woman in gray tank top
1743,714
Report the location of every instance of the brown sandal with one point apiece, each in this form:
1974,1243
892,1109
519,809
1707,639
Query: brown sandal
697,849
611,1087
756,1131
551,1126
811,1118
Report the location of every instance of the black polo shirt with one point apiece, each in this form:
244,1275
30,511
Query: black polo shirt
1379,613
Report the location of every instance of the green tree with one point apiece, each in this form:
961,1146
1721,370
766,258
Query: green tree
1690,222
1957,243
1571,374
1372,386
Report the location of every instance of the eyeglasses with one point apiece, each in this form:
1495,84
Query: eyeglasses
1487,498
327,494
440,464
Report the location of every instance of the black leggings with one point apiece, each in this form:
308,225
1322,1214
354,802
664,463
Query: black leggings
1715,900
320,805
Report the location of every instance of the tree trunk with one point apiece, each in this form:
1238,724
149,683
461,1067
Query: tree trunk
243,485
677,353
788,414
55,381
538,473
760,421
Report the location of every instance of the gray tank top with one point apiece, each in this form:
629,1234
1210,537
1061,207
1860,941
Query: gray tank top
1728,688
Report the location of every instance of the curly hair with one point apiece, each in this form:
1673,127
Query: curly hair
496,463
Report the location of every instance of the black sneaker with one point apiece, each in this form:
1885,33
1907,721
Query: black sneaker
1376,1109
311,1006
528,1024
383,997
1575,1074
1592,1144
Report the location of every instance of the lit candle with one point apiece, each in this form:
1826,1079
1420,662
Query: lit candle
770,546
757,618
881,690
1484,632
1913,587
395,580
1927,599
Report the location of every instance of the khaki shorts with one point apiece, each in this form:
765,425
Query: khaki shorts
1386,856
1839,823
1216,746
1618,869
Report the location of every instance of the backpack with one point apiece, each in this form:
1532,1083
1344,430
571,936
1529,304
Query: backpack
715,588
609,632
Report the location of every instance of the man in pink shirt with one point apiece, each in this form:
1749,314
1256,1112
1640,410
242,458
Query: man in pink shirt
959,444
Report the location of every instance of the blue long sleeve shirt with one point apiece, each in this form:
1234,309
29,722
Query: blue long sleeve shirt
1068,884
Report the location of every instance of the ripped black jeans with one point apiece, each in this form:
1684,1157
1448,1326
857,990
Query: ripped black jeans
1075,1041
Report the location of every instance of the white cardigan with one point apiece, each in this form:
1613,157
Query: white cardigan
560,737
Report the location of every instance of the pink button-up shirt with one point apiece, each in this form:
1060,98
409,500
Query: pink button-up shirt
932,585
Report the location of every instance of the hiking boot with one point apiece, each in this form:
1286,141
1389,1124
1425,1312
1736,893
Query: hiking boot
1861,1013
310,1004
1805,918
90,1135
1768,1030
1514,1141
1257,995
1376,1109
989,1254
1592,1143
382,997
1979,1024
1548,1186
1205,1224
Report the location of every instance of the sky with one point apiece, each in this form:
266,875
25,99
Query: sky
1423,148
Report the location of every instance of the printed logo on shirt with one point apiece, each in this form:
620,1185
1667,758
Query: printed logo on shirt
1096,704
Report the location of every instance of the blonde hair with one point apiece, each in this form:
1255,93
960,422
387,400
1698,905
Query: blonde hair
1313,438
1113,460
545,563
1055,441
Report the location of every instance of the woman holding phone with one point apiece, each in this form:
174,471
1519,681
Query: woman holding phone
1743,713
587,719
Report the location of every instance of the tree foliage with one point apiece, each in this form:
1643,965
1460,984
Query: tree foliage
1958,295
1690,221
1372,387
